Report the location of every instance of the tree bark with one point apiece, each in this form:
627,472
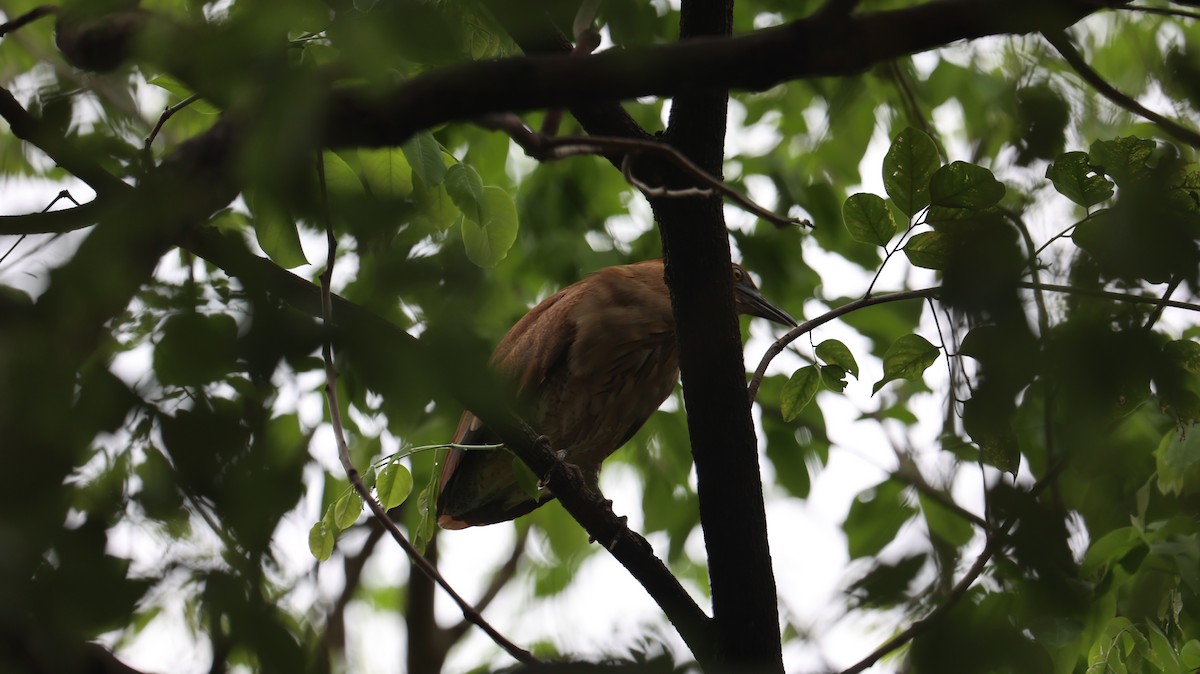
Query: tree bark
724,447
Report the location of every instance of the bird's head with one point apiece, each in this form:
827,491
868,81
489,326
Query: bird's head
750,301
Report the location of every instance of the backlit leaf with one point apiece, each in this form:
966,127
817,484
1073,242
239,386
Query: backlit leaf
320,541
1070,175
963,185
799,391
930,250
386,172
465,188
907,358
869,219
488,243
833,352
1123,158
424,155
907,168
394,484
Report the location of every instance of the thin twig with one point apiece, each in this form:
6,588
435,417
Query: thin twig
807,326
65,194
335,418
888,256
1108,294
1038,297
167,113
960,588
1059,40
1158,310
546,148
956,593
28,17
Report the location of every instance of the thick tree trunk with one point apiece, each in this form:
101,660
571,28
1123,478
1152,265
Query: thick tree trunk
724,446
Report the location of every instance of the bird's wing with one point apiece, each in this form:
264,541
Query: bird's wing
535,348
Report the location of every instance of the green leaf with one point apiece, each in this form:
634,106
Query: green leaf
907,358
276,232
488,243
340,179
1108,550
869,219
799,391
833,352
833,377
1185,353
526,479
465,188
944,523
394,484
1069,174
195,349
1178,461
424,155
963,185
1124,158
347,509
907,168
1189,655
386,172
320,541
930,250
875,517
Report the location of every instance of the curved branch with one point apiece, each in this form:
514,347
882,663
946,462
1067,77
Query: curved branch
808,326
552,148
28,17
1059,40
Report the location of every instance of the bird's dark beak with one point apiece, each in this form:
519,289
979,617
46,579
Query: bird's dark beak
750,301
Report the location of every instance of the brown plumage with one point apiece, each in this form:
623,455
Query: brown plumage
590,363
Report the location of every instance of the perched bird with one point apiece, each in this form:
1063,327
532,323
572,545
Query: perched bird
590,364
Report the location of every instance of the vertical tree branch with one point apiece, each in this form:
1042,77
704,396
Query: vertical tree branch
696,247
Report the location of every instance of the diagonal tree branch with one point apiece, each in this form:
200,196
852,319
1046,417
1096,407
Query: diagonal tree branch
1059,40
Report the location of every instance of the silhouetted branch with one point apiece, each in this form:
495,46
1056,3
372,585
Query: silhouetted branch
28,17
552,148
1059,40
167,113
808,326
960,588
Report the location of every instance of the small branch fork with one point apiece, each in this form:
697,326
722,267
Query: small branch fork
544,147
470,614
990,548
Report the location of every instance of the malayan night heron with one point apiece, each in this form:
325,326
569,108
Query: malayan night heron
590,364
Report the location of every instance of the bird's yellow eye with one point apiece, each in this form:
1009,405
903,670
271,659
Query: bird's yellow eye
737,275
